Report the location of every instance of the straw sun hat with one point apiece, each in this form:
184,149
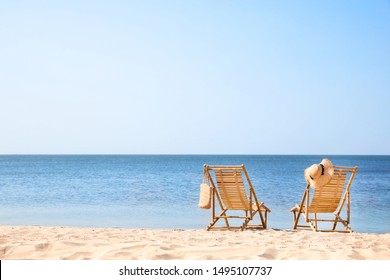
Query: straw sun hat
320,174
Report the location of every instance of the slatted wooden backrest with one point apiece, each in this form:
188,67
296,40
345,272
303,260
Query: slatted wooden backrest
231,188
327,198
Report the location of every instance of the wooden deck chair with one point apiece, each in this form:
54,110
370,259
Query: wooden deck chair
229,195
328,199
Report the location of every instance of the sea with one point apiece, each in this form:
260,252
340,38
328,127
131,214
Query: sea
162,191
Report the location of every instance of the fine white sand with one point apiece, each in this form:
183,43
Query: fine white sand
53,243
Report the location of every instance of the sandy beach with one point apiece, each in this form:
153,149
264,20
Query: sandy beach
71,243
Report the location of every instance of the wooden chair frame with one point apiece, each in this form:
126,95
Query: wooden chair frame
309,205
251,206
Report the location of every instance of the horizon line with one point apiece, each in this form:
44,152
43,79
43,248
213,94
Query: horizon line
179,154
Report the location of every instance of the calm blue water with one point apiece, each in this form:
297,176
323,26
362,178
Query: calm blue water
161,191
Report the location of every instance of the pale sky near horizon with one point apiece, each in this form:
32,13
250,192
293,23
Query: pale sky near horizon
189,77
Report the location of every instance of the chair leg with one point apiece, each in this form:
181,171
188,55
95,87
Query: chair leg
334,225
226,219
298,208
343,222
245,224
297,215
263,222
313,226
223,213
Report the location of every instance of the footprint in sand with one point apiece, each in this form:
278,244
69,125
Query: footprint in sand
43,246
79,256
356,256
4,250
167,248
69,243
165,257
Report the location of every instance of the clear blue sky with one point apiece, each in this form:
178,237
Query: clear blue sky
188,77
